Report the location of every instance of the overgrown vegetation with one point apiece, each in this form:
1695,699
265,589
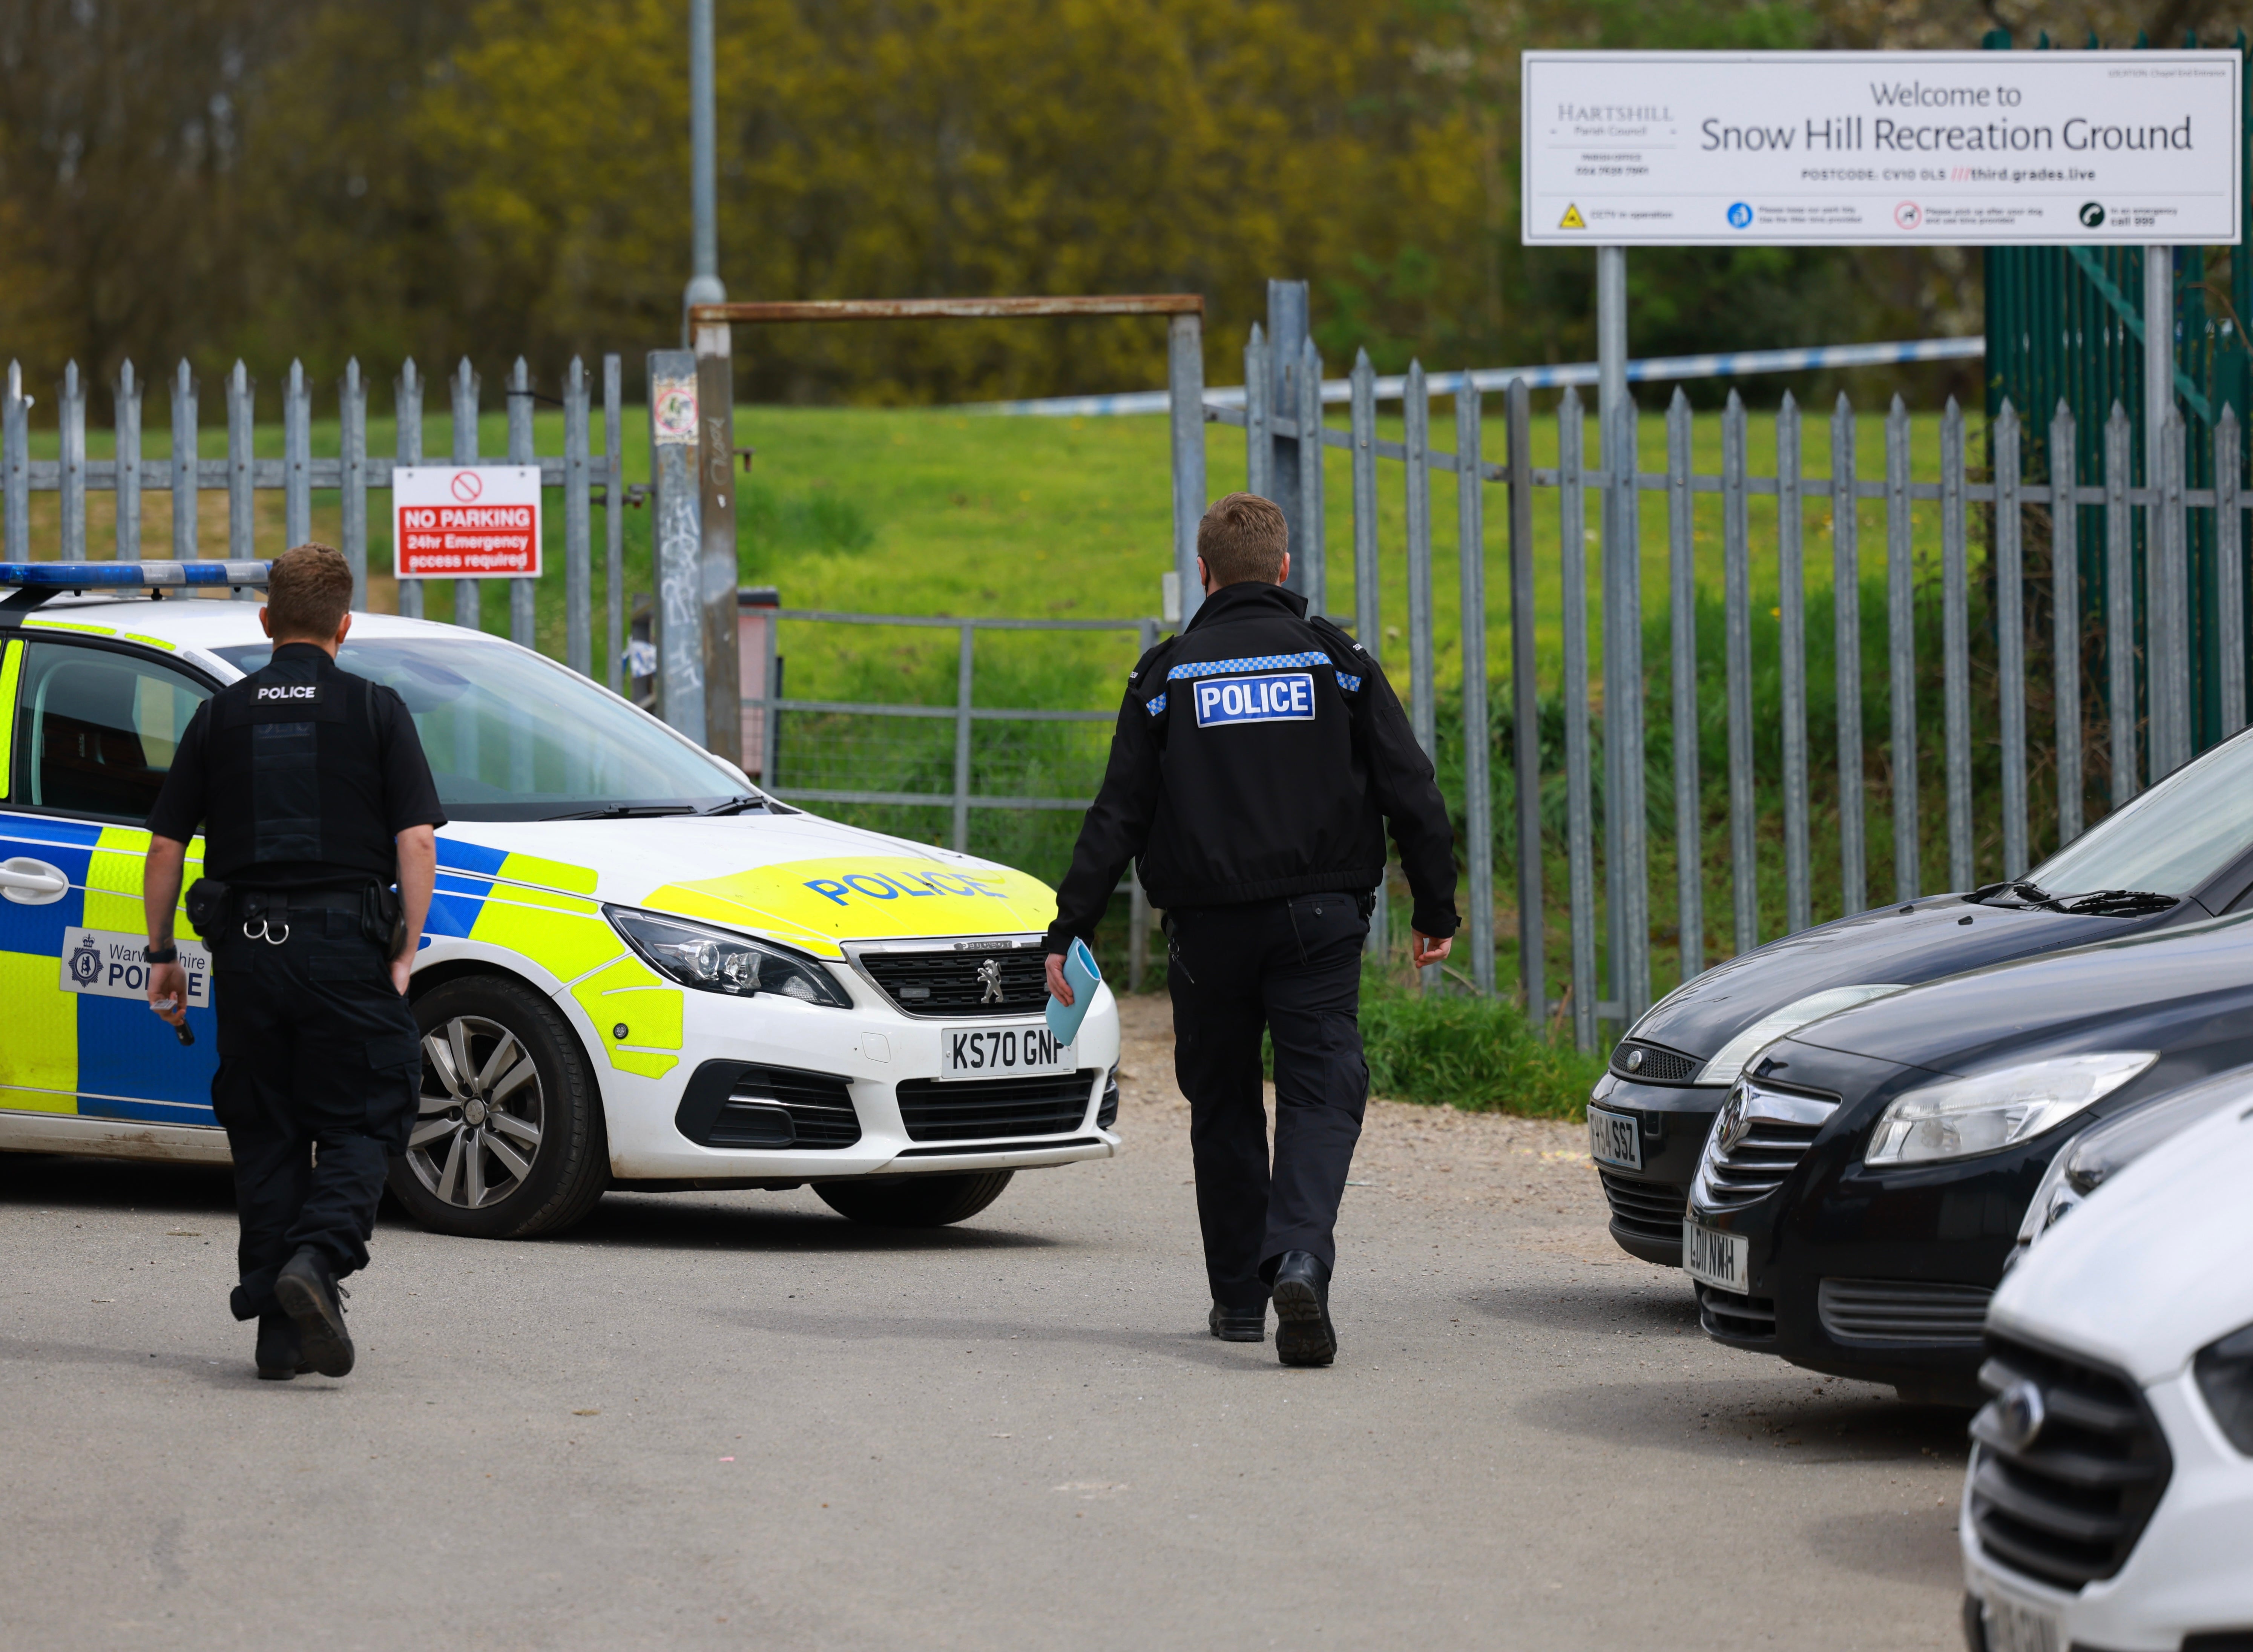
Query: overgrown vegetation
1479,1054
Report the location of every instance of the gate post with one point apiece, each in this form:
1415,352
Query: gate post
1286,342
1185,394
676,540
716,499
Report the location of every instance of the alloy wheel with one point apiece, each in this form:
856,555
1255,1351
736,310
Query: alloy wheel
481,1114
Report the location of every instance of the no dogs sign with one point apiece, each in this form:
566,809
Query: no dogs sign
466,522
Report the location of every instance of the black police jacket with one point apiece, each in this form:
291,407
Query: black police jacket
1259,754
300,775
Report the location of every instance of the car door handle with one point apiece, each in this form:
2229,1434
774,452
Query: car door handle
29,882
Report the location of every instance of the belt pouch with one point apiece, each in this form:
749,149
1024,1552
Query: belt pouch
206,902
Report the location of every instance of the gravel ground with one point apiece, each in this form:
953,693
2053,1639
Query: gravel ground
717,1420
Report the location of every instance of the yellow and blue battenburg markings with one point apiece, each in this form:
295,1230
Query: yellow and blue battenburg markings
96,1050
542,909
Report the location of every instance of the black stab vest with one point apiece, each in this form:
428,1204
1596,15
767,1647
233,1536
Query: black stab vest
295,795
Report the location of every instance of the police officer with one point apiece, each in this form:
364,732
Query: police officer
1256,758
314,797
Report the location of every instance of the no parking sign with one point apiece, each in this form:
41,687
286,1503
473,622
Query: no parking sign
465,521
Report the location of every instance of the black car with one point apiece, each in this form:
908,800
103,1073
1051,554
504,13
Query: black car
2179,854
1866,1183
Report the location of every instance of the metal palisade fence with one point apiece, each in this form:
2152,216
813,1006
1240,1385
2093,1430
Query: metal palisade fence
577,471
2110,667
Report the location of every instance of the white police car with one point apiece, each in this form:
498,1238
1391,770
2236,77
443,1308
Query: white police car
637,971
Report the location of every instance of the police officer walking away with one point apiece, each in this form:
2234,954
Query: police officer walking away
1257,756
315,799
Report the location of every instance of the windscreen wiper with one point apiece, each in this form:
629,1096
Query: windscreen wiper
627,812
2029,893
739,805
2111,903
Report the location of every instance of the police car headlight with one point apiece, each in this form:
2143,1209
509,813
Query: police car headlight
715,961
1959,1116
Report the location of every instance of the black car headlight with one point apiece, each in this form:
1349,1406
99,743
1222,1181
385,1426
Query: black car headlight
1986,1111
718,961
2225,1377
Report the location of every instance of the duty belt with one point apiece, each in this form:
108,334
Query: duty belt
260,911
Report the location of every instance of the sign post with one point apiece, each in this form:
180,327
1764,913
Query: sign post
1848,148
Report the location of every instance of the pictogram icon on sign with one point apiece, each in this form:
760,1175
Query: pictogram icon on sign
1908,215
1573,219
466,486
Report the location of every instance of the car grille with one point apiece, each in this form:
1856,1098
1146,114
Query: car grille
734,1105
947,982
938,1110
1648,1209
1107,1111
1902,1311
2067,1505
1723,1314
1658,1065
1779,1126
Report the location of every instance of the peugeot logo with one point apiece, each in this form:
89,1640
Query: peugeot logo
1732,1127
990,973
2018,1413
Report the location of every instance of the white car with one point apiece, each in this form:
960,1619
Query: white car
638,971
2109,1500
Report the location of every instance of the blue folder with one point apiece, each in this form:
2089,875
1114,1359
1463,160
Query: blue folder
1080,972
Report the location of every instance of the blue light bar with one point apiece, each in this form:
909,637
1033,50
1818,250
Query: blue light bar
89,576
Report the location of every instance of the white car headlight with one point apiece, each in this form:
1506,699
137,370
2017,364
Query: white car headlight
1737,1053
1959,1116
719,961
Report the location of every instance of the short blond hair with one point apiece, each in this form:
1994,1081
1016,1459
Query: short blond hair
309,591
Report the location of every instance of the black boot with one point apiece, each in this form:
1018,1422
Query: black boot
1303,1334
280,1352
1239,1324
307,1290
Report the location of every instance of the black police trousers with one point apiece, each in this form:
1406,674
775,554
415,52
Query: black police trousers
319,1072
1293,967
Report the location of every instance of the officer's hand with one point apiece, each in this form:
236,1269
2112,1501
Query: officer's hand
169,982
1059,988
1424,949
401,967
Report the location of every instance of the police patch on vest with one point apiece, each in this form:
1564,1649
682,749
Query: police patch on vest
1280,696
298,694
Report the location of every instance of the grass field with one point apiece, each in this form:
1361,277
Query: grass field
946,513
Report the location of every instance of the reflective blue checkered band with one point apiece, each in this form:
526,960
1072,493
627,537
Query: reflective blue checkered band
1156,705
1257,662
1351,685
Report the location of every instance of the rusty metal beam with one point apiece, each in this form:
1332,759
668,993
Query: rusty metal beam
949,309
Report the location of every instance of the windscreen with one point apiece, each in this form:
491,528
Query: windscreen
510,737
2170,839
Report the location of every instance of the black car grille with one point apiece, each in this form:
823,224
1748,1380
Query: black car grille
1654,1064
945,982
2067,1505
737,1104
1902,1311
1745,1317
939,1110
1107,1111
1778,1128
1648,1209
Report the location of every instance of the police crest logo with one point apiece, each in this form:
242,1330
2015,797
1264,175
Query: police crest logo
86,963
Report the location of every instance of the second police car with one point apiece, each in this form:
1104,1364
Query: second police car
638,972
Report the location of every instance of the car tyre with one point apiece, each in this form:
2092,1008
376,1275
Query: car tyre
914,1202
509,1142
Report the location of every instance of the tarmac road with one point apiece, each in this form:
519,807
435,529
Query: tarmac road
729,1421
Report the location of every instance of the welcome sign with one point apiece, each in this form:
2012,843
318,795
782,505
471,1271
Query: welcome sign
1803,148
